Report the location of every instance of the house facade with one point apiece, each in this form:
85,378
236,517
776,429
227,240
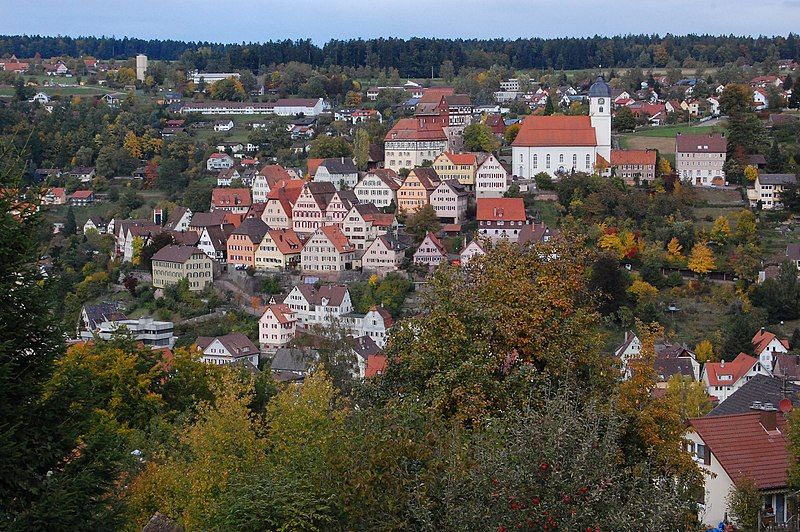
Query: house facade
276,327
416,190
449,200
244,241
721,379
279,250
378,187
327,250
171,264
769,189
491,178
460,166
699,158
386,253
430,252
228,349
634,165
321,305
342,172
501,218
412,141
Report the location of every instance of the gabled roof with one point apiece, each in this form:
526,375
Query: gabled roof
293,359
175,216
206,219
762,339
376,365
322,192
333,293
745,449
497,209
286,240
777,179
296,102
97,314
710,143
461,158
313,164
337,238
391,242
174,253
762,389
416,129
786,365
282,312
733,370
388,176
274,174
339,165
237,344
430,237
535,232
231,197
254,228
639,157
538,131
455,186
427,177
218,235
82,194
364,347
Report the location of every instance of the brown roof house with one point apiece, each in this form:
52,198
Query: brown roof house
171,264
734,449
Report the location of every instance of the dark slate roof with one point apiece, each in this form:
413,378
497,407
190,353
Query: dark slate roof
760,388
600,88
777,179
101,312
173,253
254,228
667,367
292,359
340,165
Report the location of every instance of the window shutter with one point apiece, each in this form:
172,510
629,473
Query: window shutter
706,455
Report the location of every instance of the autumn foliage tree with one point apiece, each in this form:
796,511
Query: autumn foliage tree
701,260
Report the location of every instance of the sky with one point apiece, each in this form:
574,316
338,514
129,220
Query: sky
321,20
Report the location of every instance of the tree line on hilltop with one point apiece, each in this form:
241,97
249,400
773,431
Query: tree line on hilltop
417,56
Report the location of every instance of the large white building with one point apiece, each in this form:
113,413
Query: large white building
210,78
561,144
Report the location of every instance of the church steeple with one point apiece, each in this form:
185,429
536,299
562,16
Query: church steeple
600,114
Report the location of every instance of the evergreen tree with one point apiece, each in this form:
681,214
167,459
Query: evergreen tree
70,226
775,159
549,108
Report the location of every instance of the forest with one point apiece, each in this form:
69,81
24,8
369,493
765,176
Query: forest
416,56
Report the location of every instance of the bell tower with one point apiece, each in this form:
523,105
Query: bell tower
600,115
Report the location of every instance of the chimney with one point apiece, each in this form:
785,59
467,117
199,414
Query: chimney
769,419
762,330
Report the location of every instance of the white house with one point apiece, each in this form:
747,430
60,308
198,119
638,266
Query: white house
223,125
449,200
631,347
374,324
299,106
341,171
430,252
378,187
233,347
721,379
766,345
769,189
470,251
386,253
491,178
219,161
327,249
732,449
277,326
321,305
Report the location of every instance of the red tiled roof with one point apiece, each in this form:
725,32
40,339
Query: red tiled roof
414,129
461,158
231,197
763,338
736,369
286,240
82,194
313,164
274,174
496,209
337,238
745,449
296,102
556,131
282,312
641,157
376,364
711,143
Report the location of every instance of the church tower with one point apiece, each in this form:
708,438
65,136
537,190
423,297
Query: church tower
600,114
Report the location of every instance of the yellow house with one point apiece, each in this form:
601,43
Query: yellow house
279,250
416,190
461,166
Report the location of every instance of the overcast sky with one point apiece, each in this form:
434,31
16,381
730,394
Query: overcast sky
321,20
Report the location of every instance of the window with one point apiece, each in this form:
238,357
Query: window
561,158
574,160
547,161
588,160
535,161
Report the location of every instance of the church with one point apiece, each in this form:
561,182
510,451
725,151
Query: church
561,144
